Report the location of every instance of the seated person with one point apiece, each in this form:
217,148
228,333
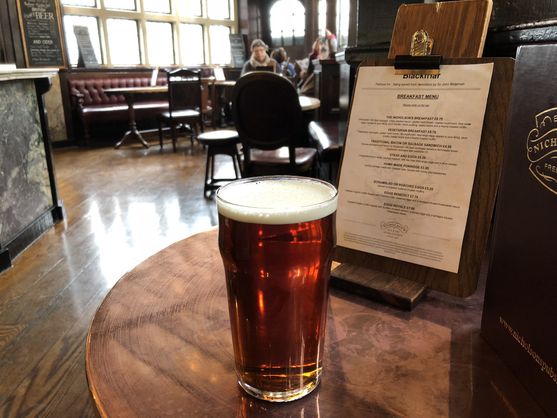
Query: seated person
259,58
320,50
286,67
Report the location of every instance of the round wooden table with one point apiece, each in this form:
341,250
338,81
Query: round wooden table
131,94
160,345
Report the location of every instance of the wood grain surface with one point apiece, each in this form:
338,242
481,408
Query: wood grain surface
458,28
160,345
482,200
121,207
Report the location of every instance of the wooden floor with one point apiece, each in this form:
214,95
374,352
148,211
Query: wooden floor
121,207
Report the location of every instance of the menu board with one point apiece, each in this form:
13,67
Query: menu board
87,57
41,32
238,49
409,163
520,304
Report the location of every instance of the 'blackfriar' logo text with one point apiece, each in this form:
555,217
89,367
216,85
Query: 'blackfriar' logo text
393,228
542,149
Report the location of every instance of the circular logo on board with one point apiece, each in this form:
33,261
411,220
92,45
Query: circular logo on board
541,149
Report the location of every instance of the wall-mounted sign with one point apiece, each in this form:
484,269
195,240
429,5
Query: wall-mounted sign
39,21
238,49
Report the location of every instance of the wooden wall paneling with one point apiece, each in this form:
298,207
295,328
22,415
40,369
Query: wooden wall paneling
327,82
353,23
5,35
520,22
311,23
9,27
331,21
375,20
265,23
520,12
16,34
504,43
249,19
254,22
243,17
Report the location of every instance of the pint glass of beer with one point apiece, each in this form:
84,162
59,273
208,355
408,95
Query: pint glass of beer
276,238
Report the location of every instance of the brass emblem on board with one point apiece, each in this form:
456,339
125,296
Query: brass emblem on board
542,149
422,43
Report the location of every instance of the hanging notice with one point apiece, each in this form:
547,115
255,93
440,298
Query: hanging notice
409,162
41,32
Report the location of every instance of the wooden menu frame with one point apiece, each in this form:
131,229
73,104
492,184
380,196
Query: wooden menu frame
399,282
458,28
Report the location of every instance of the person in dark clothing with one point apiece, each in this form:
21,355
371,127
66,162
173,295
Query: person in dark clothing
259,58
286,67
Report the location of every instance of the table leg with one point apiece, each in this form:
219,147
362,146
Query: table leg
224,112
133,131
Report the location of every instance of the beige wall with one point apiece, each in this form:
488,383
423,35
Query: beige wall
55,112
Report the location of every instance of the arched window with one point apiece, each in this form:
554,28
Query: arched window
288,22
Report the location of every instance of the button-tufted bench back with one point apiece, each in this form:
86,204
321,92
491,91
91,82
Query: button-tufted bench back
92,89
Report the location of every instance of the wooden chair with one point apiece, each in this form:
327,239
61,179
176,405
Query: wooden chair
184,104
328,138
268,118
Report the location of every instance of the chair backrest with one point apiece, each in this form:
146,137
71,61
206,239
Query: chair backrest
184,89
266,111
265,68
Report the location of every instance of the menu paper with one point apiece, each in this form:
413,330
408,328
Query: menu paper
409,162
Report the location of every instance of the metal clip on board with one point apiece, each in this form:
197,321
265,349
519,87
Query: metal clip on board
420,60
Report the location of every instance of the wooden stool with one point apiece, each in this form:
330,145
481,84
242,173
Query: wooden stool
219,142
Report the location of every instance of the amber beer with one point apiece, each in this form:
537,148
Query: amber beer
276,237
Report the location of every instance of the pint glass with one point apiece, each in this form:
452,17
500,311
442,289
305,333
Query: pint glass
276,237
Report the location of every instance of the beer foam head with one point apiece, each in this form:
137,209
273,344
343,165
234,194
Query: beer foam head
277,200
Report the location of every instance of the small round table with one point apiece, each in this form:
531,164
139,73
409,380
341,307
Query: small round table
160,345
131,94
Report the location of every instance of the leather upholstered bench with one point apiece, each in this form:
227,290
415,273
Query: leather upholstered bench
91,106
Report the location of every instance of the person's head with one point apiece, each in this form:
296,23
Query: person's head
318,45
321,48
279,55
258,50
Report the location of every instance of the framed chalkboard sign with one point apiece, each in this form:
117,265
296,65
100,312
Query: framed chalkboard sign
41,30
